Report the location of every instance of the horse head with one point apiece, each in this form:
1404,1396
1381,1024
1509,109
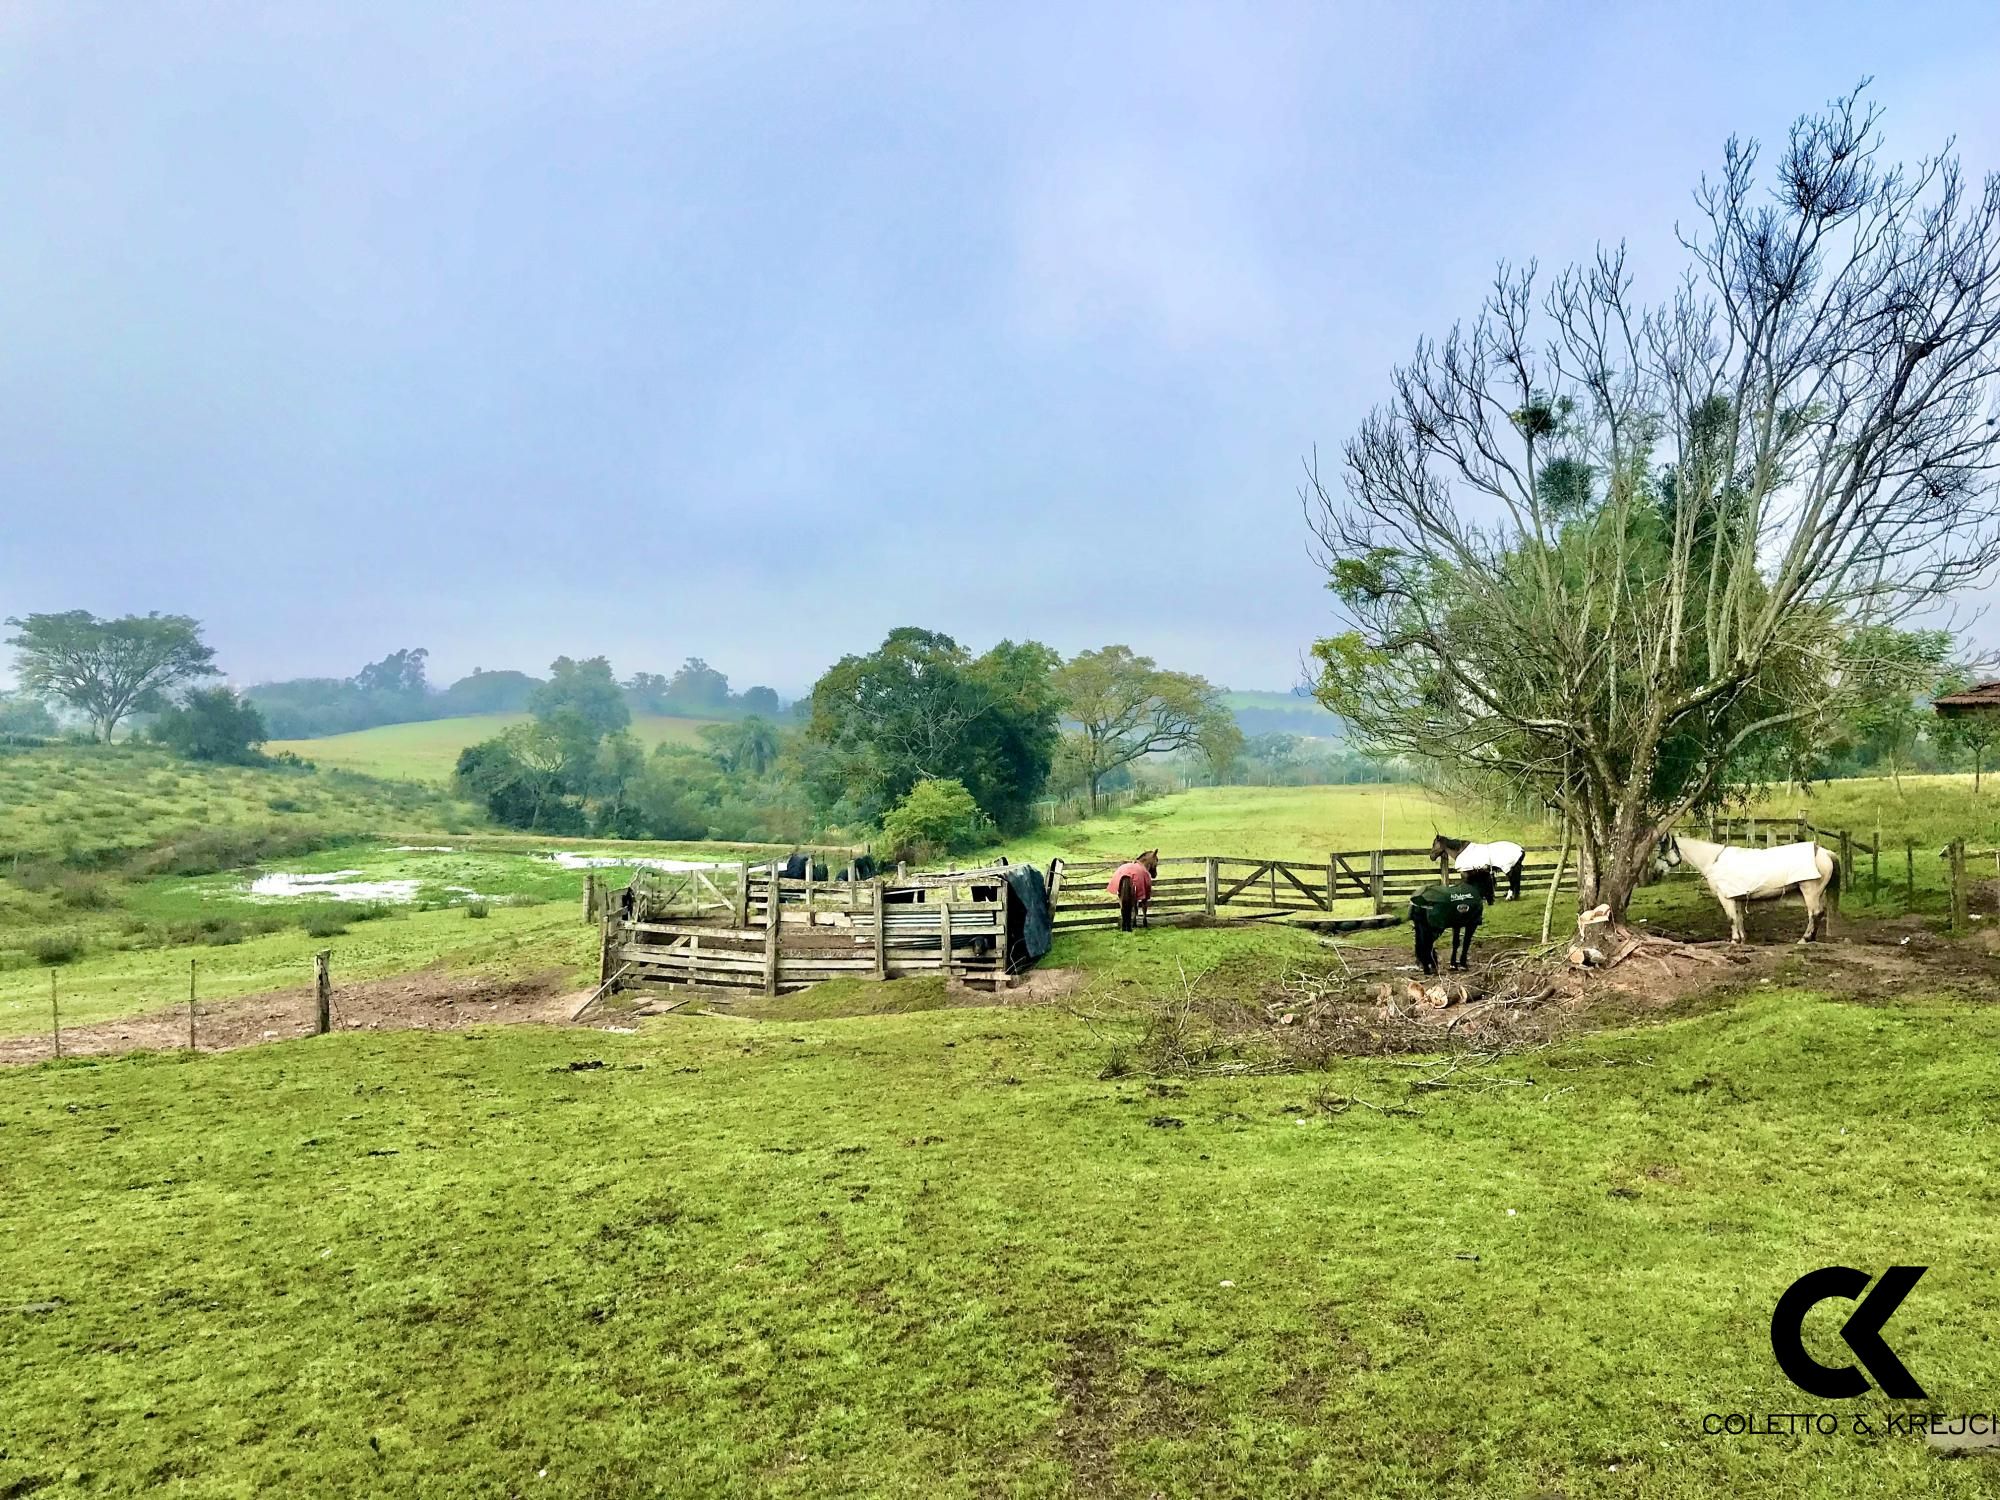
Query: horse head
1441,847
1667,854
1151,860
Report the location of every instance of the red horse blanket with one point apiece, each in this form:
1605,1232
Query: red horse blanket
1139,875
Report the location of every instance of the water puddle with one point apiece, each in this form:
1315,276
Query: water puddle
335,885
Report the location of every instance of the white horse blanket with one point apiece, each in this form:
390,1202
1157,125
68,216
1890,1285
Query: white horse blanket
1756,874
1501,857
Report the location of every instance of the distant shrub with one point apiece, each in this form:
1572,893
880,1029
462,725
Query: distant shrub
53,948
209,851
82,892
937,817
227,935
326,924
36,875
283,805
477,909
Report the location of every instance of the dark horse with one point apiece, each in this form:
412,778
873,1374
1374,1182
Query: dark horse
1437,909
1443,848
1132,884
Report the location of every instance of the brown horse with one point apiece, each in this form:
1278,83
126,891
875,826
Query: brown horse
1132,884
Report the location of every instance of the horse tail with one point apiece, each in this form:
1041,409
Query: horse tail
1833,882
1127,901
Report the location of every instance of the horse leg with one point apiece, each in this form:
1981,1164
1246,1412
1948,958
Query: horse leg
1736,910
1146,912
1813,894
1514,880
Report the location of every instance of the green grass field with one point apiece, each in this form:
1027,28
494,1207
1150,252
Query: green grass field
428,751
875,1240
97,805
935,1254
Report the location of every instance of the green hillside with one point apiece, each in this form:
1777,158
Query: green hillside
1282,713
90,806
428,750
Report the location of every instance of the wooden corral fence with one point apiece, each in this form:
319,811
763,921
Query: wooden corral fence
726,932
1236,887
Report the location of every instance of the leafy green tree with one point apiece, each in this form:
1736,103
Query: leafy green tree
503,692
585,689
749,746
1220,746
22,714
1968,732
936,817
212,724
109,669
922,707
698,690
399,675
1128,708
1014,744
646,692
761,701
1891,677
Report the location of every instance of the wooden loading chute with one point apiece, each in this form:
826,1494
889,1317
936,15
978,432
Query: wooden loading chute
726,932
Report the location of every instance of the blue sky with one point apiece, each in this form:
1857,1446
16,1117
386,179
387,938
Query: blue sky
510,330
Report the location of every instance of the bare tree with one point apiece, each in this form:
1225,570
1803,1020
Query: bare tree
1602,549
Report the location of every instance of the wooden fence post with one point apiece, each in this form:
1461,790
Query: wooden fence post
742,913
323,989
1332,877
1208,882
1875,868
809,887
1909,876
589,894
1846,857
881,935
944,935
55,1015
190,1005
1375,880
771,926
1958,893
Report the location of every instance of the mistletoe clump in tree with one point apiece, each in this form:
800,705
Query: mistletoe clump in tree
1612,553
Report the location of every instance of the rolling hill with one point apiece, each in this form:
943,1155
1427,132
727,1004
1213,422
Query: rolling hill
1283,713
427,750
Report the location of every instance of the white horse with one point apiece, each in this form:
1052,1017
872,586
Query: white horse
1740,876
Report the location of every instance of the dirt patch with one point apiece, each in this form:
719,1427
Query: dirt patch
425,1001
1369,1000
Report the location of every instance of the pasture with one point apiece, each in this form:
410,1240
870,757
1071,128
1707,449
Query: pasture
890,1239
428,751
937,1254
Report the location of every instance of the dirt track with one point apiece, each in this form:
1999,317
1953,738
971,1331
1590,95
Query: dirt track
424,1001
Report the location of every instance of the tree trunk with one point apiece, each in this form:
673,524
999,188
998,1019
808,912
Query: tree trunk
1093,794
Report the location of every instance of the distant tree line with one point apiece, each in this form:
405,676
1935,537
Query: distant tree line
395,690
921,742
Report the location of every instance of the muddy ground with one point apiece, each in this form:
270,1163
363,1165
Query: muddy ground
425,1001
